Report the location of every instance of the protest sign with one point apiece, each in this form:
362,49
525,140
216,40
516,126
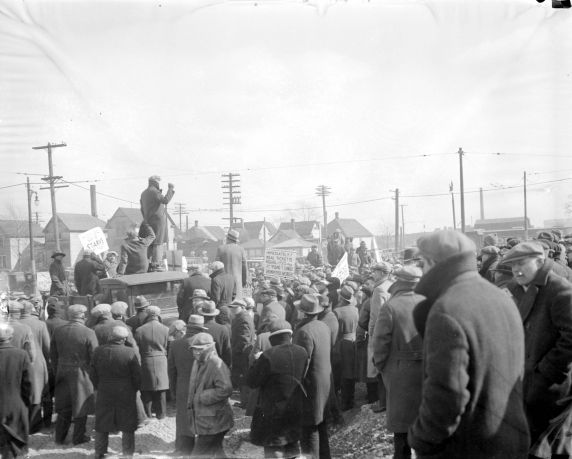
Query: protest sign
94,240
280,263
44,281
342,270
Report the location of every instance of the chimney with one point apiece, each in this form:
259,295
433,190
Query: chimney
93,200
337,215
196,223
293,224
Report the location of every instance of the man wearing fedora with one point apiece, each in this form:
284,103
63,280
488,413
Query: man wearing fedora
314,336
271,308
233,258
58,276
135,321
544,300
195,281
180,362
220,333
154,210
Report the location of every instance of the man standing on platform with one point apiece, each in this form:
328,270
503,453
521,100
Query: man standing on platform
233,257
58,276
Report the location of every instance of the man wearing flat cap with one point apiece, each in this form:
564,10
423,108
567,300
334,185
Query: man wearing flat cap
154,210
58,275
233,258
195,281
544,300
473,358
71,351
15,395
223,285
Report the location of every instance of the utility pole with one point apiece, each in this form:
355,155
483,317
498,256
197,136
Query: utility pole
181,211
324,191
453,205
462,189
482,202
232,198
396,220
52,179
525,210
402,226
32,261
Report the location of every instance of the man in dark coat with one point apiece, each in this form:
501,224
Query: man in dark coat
363,256
223,285
86,274
335,248
195,281
473,358
152,338
398,354
233,257
220,333
106,323
271,309
490,257
135,321
71,351
278,372
545,304
116,375
180,363
314,257
133,253
55,311
15,394
242,338
58,276
314,336
154,210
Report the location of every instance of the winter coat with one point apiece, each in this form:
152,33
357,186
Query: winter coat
133,252
71,352
278,373
209,391
473,351
104,332
221,336
86,276
362,341
315,259
116,375
233,257
16,396
271,311
41,356
345,343
154,210
314,336
180,362
378,299
486,270
54,322
331,320
335,252
242,339
546,311
190,284
58,276
23,338
398,355
563,271
223,288
152,338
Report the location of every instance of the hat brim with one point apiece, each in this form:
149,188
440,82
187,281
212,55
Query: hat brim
209,314
197,326
279,332
521,257
57,254
200,297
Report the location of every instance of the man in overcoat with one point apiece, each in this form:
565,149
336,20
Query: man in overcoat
223,285
180,362
152,338
278,372
195,281
473,358
86,274
154,211
58,275
71,352
106,323
133,257
398,354
233,258
220,333
116,375
272,309
135,321
544,300
15,395
314,336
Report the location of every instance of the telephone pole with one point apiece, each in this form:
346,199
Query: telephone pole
402,226
180,210
525,210
453,205
52,179
32,261
323,191
396,220
461,153
231,195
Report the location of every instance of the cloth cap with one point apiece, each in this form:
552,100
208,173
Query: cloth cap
410,254
523,250
15,306
408,273
153,311
119,308
119,332
111,252
155,178
249,303
309,304
504,268
193,267
353,285
199,293
101,310
278,326
268,291
275,281
237,303
208,308
217,265
324,300
6,331
441,245
557,234
141,302
382,266
87,253
347,293
55,254
202,341
177,326
546,236
490,250
511,242
491,239
233,235
76,310
305,281
27,307
196,321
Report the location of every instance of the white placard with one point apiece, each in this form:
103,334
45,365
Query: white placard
94,240
342,270
280,263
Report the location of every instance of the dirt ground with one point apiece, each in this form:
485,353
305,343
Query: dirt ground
362,436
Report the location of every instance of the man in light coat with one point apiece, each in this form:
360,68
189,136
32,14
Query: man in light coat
233,257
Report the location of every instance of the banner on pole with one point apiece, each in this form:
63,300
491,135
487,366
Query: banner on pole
342,270
94,240
280,263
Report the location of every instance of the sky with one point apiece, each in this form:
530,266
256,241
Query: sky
363,97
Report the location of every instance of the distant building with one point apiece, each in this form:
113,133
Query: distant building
256,230
308,230
297,244
490,225
70,226
284,235
15,241
254,248
351,228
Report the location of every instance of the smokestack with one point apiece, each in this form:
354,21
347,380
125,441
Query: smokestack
93,200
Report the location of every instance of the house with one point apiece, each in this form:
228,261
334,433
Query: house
15,240
352,229
70,226
284,235
254,248
299,245
491,225
126,218
308,230
256,230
